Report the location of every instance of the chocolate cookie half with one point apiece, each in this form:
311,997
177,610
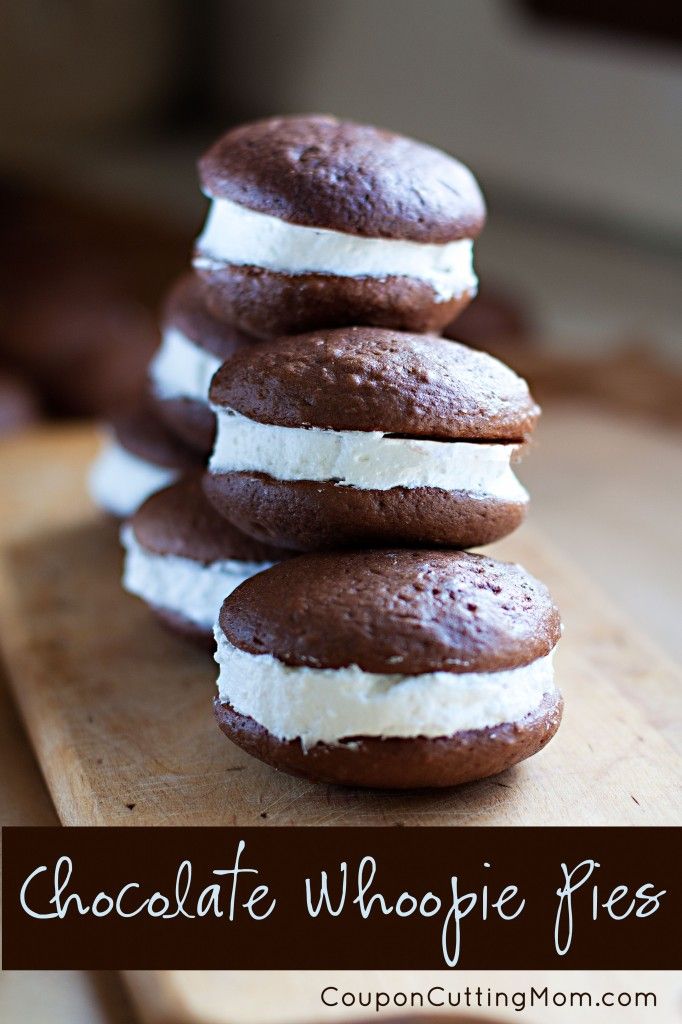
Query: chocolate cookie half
367,436
138,458
193,346
316,222
183,559
389,668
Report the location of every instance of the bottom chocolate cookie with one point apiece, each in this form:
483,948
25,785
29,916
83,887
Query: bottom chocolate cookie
307,516
400,763
267,302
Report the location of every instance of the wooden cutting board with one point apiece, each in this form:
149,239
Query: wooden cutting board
119,711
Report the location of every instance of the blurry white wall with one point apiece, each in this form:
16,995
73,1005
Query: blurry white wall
574,136
577,122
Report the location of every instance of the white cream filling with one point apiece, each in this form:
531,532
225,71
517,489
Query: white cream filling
235,234
182,585
363,459
119,481
181,369
318,705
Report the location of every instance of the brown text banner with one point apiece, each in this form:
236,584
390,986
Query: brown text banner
381,898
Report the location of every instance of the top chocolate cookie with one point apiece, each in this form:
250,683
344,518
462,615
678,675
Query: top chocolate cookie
143,434
185,310
321,172
179,521
410,612
363,378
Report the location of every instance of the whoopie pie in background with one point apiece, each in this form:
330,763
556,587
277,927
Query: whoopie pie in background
139,458
19,404
364,436
193,345
316,222
389,668
183,559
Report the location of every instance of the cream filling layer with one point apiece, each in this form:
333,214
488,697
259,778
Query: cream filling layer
119,481
318,705
234,234
182,585
365,459
181,369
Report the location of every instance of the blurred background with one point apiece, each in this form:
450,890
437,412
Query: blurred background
569,114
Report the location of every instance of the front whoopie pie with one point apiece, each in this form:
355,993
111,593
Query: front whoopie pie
363,436
316,222
193,346
183,559
139,457
389,668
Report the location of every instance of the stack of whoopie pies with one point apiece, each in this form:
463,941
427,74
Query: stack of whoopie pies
302,359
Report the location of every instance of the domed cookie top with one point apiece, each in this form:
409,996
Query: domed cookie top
370,379
143,434
321,172
180,521
394,611
185,310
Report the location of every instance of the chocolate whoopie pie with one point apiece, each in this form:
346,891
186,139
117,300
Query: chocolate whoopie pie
193,346
363,436
316,222
139,457
183,559
389,668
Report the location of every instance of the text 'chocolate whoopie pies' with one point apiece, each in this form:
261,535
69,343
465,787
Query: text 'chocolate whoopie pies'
316,222
392,669
183,559
193,346
139,457
364,436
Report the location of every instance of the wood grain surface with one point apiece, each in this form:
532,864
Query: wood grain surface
119,711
